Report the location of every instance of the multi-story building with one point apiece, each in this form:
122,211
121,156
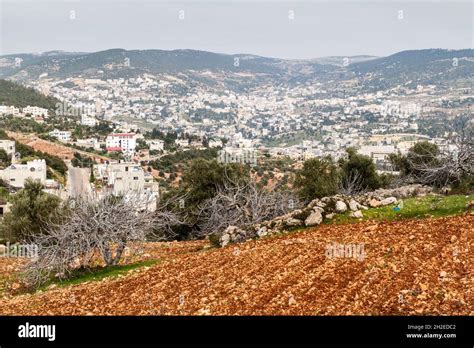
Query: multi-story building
215,143
128,178
35,111
378,152
156,144
88,121
61,135
16,174
121,142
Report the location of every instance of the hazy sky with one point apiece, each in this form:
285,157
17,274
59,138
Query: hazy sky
319,28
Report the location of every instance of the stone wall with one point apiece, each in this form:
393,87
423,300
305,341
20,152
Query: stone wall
324,208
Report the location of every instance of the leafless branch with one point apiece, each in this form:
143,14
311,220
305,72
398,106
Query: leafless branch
92,229
352,184
453,162
242,204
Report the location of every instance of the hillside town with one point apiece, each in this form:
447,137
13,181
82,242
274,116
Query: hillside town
300,122
187,173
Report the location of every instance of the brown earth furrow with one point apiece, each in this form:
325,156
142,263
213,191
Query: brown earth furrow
411,267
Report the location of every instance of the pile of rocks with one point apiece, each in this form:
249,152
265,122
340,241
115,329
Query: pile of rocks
324,208
235,234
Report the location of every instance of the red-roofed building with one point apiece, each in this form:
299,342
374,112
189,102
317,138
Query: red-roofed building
123,142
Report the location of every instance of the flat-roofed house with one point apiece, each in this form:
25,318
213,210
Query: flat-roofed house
16,174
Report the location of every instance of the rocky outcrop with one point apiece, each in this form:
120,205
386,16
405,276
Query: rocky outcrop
354,205
327,207
374,203
233,234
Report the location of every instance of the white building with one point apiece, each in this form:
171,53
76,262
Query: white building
128,178
215,143
182,142
35,111
156,144
16,174
61,135
9,110
90,142
88,121
8,146
124,142
378,152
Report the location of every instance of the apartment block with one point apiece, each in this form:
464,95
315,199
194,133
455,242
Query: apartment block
156,144
64,136
88,121
35,111
121,142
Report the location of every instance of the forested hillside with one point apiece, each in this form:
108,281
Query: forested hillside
19,96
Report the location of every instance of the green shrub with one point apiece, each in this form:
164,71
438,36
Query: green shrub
317,178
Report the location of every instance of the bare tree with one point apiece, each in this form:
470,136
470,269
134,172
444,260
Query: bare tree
451,163
352,184
92,229
242,204
169,214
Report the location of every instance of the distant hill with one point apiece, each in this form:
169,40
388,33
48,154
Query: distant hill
14,94
407,68
114,63
430,66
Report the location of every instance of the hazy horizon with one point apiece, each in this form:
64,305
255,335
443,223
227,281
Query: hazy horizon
298,30
237,53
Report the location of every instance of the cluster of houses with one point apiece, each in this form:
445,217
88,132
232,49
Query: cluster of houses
33,111
16,174
127,178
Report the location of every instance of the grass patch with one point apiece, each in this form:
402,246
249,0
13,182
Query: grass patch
97,274
416,207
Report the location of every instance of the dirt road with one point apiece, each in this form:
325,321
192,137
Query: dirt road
78,182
